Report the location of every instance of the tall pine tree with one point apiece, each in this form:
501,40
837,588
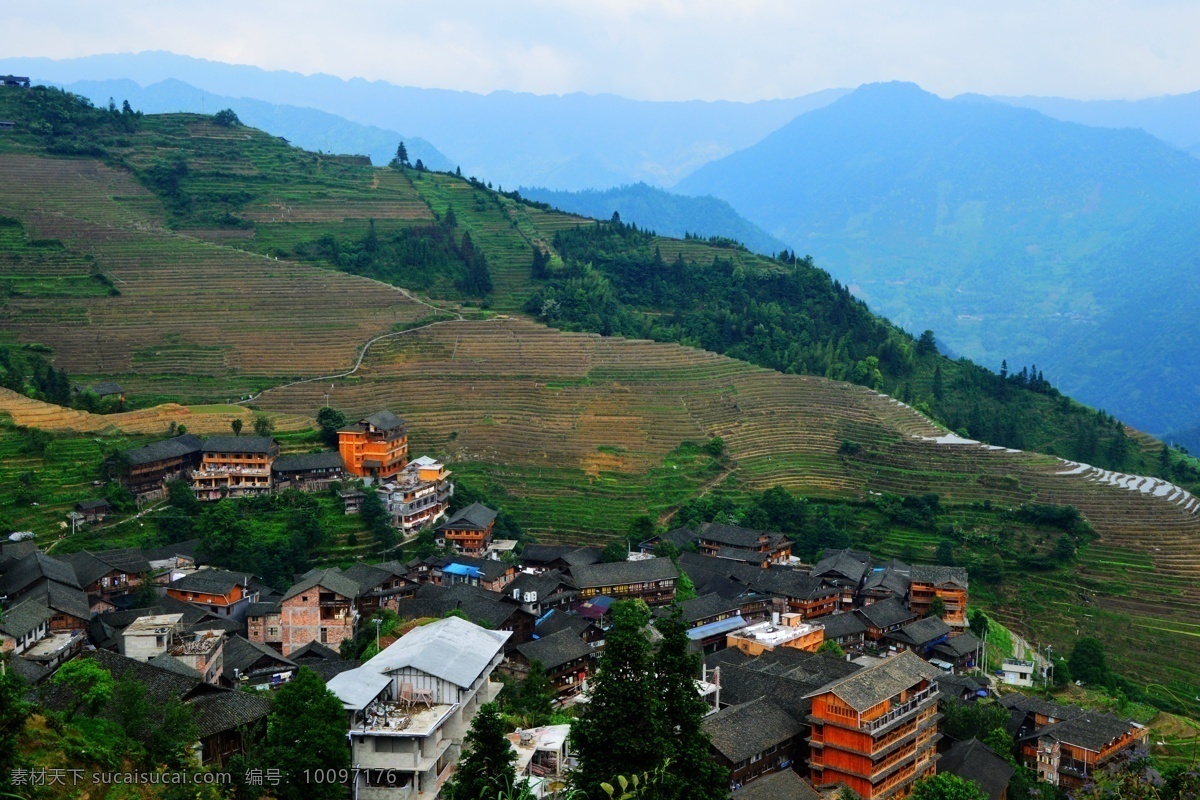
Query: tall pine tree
486,769
621,731
692,774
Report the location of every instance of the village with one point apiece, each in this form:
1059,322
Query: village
817,677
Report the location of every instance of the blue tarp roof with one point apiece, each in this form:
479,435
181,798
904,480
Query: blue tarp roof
720,626
461,569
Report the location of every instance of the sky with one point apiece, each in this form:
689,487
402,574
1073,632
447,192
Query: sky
656,49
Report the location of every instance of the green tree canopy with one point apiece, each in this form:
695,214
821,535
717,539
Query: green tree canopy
1088,663
486,768
945,786
306,730
91,684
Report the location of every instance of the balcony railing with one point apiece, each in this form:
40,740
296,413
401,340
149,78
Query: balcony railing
902,710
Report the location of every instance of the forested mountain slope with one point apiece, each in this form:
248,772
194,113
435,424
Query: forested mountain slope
1013,235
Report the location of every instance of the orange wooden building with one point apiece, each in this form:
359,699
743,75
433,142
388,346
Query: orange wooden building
948,583
875,730
375,446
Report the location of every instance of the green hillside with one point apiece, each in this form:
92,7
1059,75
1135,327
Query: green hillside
577,374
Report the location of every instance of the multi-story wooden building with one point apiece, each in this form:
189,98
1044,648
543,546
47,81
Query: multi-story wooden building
875,730
224,593
948,583
234,466
795,592
1066,745
145,471
307,472
419,496
566,658
469,530
744,545
884,617
375,446
753,739
785,630
844,570
652,580
109,573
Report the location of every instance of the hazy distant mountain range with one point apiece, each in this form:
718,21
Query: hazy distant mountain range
663,212
1013,235
573,141
303,127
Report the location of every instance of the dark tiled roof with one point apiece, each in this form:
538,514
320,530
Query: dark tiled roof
240,654
63,599
1039,705
384,420
368,576
921,632
227,711
476,516
680,537
210,581
14,551
545,584
303,462
556,621
24,617
180,446
958,646
790,583
783,785
31,672
872,685
742,556
972,760
939,576
90,566
885,613
894,579
707,605
262,609
741,731
106,388
622,572
178,550
35,567
849,565
1091,730
845,624
239,444
172,664
480,605
734,535
91,505
331,579
314,651
326,670
555,650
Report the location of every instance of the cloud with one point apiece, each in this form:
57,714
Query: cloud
658,49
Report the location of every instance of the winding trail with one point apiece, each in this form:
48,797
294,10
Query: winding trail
362,353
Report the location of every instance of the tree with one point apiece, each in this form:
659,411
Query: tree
927,344
13,713
263,425
1000,743
946,786
962,721
535,695
937,608
225,117
236,426
486,767
831,646
306,730
621,730
420,165
685,589
91,684
377,520
945,553
615,551
401,159
939,389
691,771
978,623
330,420
146,594
1088,663
167,731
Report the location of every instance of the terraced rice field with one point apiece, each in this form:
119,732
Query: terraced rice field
185,306
29,413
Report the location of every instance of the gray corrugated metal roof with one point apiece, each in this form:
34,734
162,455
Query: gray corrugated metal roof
451,649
